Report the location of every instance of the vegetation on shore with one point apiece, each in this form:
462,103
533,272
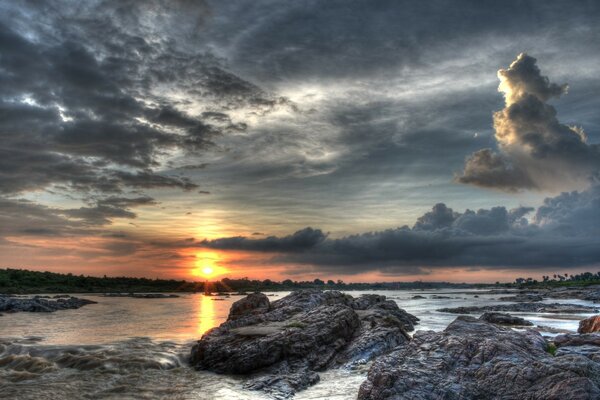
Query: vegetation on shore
26,281
559,280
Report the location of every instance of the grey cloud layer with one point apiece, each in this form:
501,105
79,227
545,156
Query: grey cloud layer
563,232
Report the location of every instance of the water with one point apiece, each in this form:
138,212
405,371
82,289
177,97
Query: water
127,348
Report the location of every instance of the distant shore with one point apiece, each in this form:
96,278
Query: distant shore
23,281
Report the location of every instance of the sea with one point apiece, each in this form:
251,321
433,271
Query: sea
136,348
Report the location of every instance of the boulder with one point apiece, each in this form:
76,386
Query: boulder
255,303
472,359
283,345
504,319
590,325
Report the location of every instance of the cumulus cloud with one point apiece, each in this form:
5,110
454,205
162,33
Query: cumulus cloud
562,232
535,150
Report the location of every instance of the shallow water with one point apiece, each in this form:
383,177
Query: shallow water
127,348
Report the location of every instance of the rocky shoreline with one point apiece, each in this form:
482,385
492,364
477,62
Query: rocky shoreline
282,346
13,304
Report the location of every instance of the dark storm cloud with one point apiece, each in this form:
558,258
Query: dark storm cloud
536,151
78,106
27,218
564,232
301,240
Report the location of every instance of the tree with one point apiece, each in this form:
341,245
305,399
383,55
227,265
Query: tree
317,281
330,283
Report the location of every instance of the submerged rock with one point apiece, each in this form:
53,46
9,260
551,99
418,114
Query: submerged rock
285,343
555,308
40,304
143,295
504,319
473,359
590,325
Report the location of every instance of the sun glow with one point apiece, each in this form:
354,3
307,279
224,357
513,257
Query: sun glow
207,265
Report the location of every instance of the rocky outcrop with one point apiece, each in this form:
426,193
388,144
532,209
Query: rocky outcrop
255,303
587,345
11,304
523,297
504,319
589,293
472,359
285,343
590,325
554,308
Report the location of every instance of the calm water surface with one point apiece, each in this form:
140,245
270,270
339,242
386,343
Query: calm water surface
127,348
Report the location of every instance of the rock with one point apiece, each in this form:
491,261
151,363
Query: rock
523,307
418,297
436,297
523,297
142,295
38,304
589,293
590,351
255,303
472,359
283,344
589,325
577,340
504,319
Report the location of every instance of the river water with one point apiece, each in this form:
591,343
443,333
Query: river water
130,348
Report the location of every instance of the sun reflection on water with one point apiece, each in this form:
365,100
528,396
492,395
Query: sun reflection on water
207,318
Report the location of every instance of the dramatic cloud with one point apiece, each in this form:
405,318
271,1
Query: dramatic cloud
563,233
128,126
536,151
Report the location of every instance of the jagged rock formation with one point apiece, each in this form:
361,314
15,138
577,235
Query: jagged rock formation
589,325
285,343
472,359
504,319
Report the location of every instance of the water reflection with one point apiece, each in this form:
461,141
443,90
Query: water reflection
207,318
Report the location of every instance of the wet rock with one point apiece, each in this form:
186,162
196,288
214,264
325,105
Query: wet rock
39,304
554,308
504,319
436,297
418,297
589,293
523,297
283,344
577,339
589,325
255,303
472,359
590,351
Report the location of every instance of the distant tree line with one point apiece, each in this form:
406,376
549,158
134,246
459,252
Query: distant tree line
26,281
586,278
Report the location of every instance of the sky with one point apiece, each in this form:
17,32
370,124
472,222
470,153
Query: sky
356,140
